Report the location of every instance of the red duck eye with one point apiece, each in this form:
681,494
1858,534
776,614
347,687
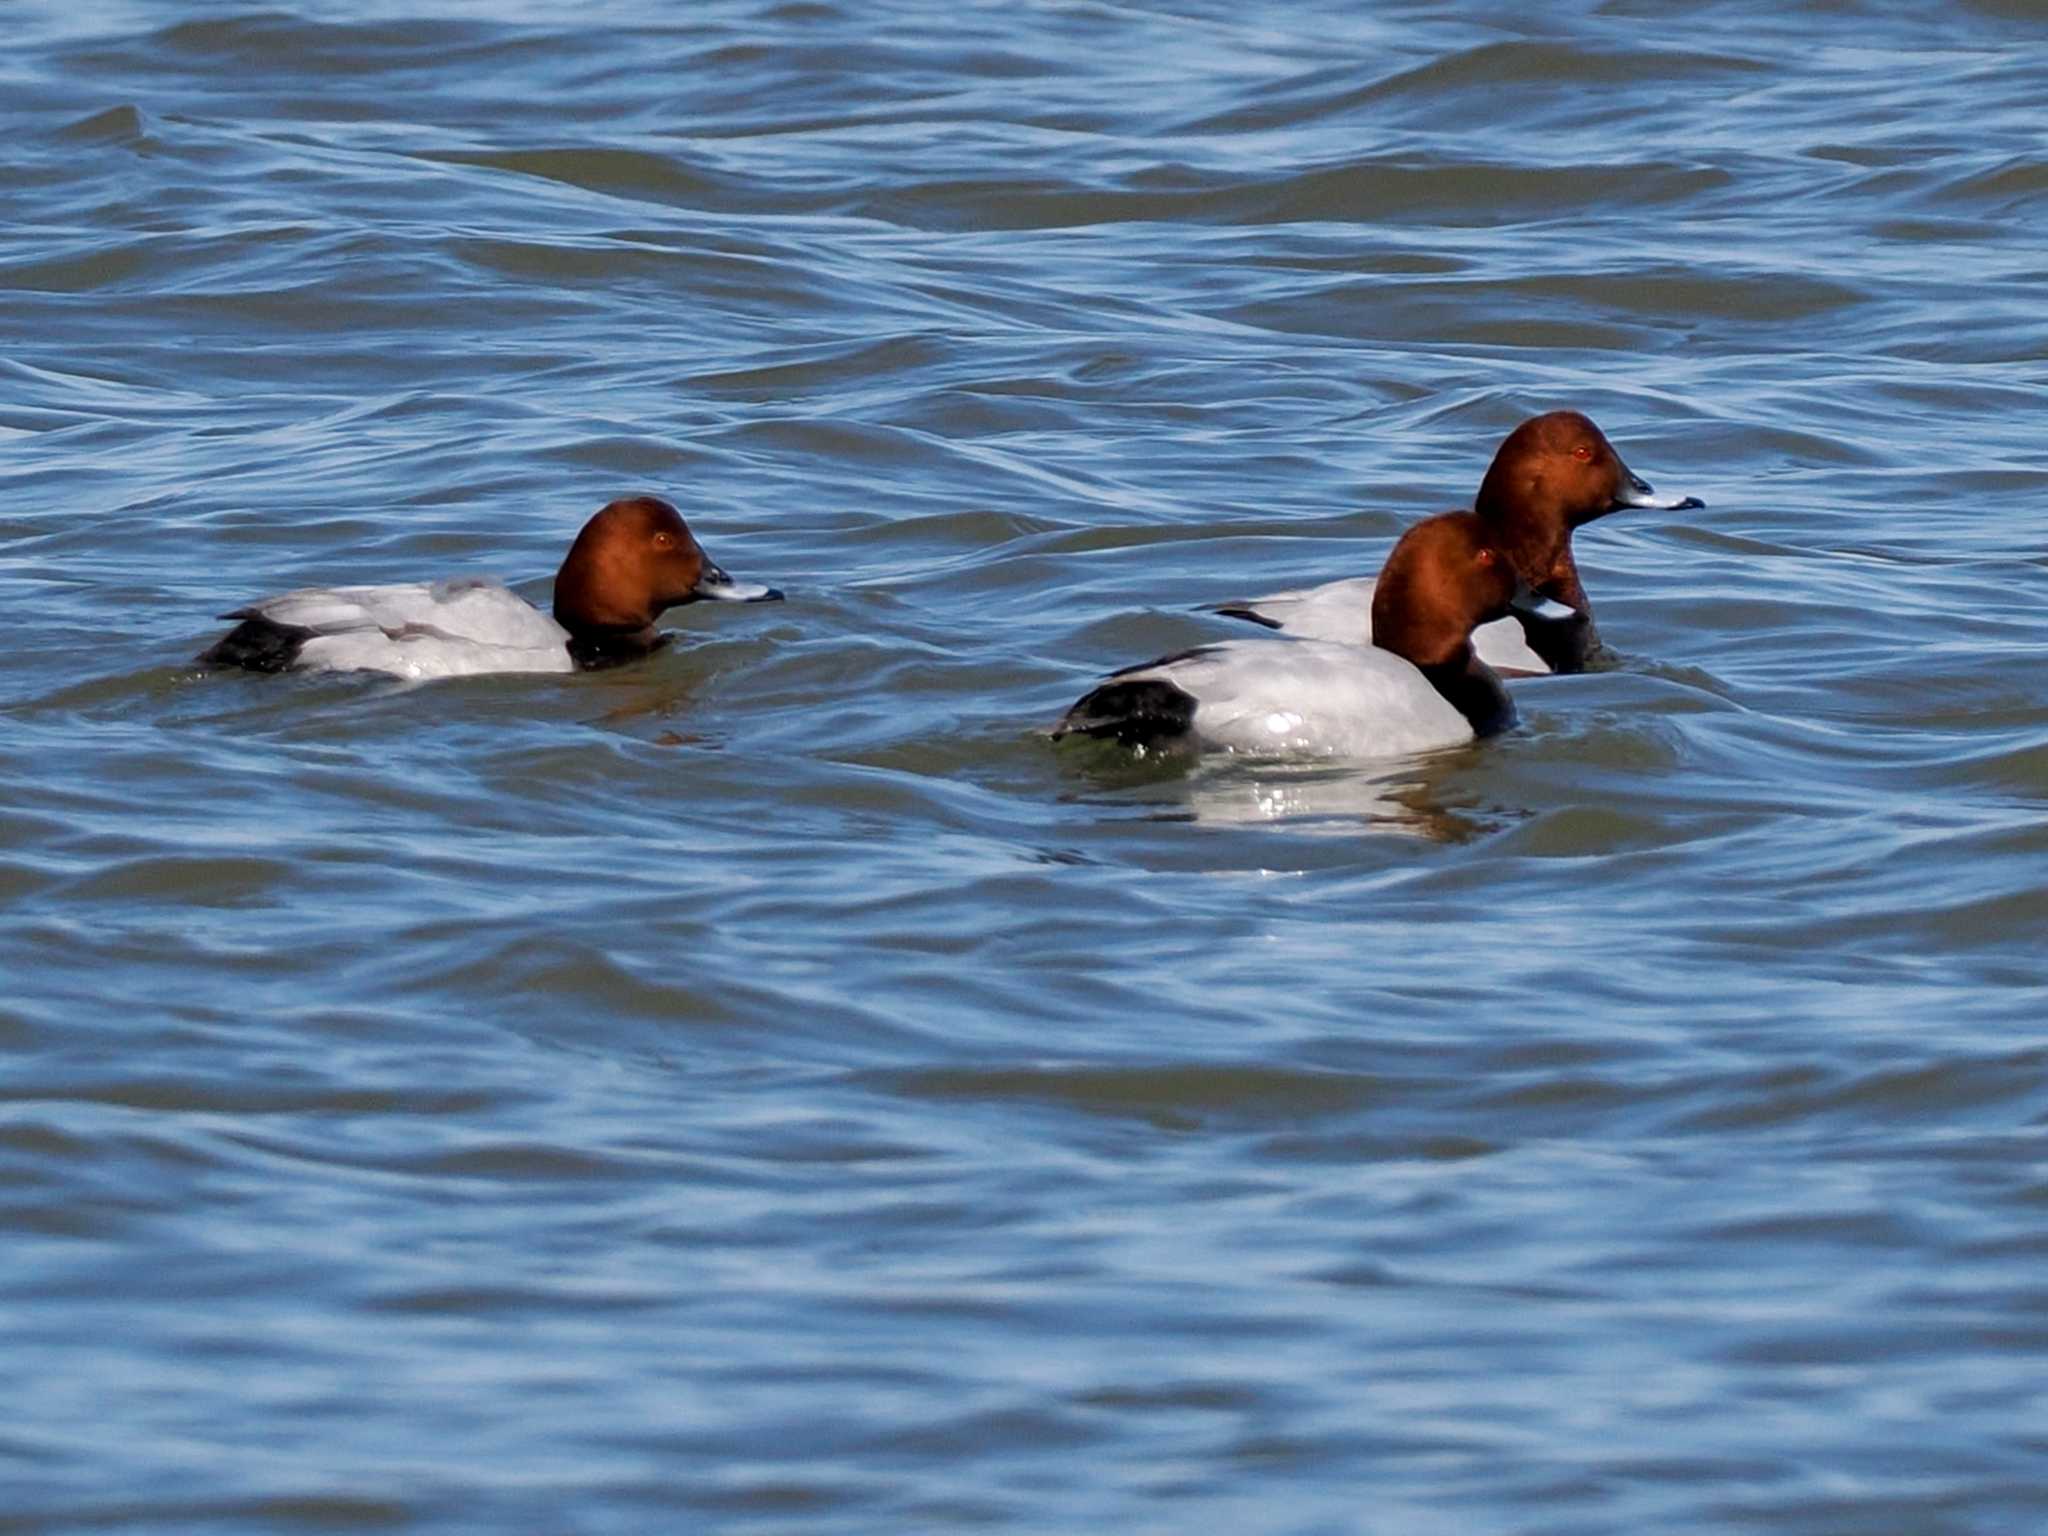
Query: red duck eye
1583,453
1484,557
664,541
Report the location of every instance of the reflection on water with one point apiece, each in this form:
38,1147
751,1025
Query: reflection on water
1344,798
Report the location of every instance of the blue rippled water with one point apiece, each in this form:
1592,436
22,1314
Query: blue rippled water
768,1089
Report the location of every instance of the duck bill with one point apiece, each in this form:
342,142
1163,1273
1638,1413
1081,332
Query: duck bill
1638,492
715,586
1531,604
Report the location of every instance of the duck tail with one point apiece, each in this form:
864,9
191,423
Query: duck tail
1139,712
257,644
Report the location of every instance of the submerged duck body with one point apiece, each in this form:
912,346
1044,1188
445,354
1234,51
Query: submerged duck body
634,560
1551,475
1311,698
1419,687
456,628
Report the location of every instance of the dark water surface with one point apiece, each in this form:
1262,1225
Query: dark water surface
767,1089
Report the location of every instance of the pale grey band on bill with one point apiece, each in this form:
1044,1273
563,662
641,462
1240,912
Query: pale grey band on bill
1528,601
1638,492
719,587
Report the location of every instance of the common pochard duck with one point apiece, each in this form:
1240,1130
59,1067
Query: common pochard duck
632,561
1552,474
1418,687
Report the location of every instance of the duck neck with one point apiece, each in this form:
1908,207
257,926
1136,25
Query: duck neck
1541,553
1539,550
603,631
595,648
1529,527
1473,689
1563,645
